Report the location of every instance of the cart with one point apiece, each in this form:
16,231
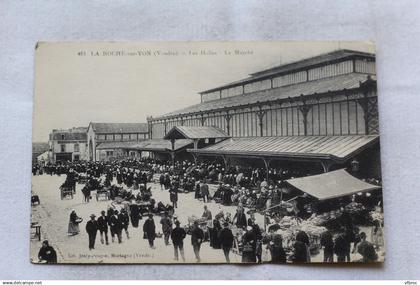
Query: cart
66,191
103,193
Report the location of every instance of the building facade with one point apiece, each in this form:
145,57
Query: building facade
107,141
329,95
68,145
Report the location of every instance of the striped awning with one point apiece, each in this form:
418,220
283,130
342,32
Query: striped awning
331,185
337,148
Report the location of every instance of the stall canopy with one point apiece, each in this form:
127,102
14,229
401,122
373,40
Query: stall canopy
336,148
195,132
330,185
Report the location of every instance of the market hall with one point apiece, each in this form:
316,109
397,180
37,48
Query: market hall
303,119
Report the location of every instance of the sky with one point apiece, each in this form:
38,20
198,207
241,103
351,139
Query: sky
79,83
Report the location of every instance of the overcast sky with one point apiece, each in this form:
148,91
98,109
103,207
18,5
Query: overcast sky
124,82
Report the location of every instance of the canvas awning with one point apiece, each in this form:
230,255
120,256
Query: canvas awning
335,148
332,184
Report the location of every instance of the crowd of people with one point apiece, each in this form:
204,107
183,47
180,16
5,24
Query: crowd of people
246,188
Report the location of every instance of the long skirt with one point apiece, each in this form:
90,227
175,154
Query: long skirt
73,228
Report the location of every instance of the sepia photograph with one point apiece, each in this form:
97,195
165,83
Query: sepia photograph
206,152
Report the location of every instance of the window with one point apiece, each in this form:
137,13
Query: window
62,137
76,147
110,153
126,137
101,137
109,137
63,148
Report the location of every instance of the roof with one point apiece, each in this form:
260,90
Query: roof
321,86
195,132
116,145
332,184
338,55
111,128
337,148
146,145
69,136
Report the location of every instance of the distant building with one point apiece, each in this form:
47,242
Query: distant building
107,141
39,148
68,145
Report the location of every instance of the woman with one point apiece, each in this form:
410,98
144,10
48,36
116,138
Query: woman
249,241
278,255
377,235
74,223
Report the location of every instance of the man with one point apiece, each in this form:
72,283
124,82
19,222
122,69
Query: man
341,245
249,246
240,218
149,230
197,236
207,216
173,195
92,229
115,226
366,249
204,189
178,234
103,227
124,220
47,253
166,227
226,240
328,244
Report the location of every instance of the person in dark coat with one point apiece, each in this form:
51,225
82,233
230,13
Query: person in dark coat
115,226
366,249
300,253
278,255
125,221
86,193
92,229
162,181
240,218
47,253
197,194
173,196
149,230
304,238
166,223
214,234
226,240
340,247
103,227
178,234
135,215
328,244
197,237
249,241
204,189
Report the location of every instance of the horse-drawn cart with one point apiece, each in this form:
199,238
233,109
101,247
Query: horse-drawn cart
66,191
103,193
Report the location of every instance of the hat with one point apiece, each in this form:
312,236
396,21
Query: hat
93,216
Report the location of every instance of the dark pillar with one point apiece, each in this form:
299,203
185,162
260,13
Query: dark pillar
261,113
